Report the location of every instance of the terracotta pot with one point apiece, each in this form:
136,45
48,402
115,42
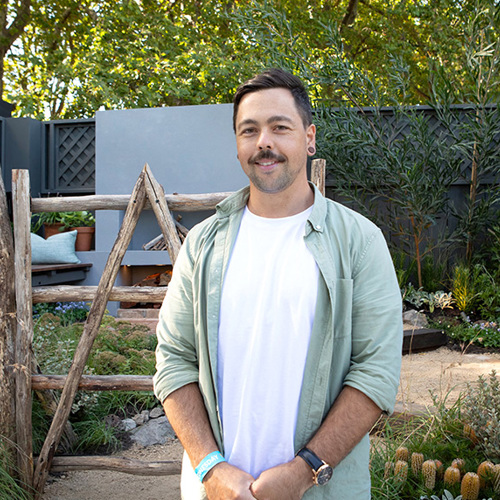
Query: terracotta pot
84,238
51,229
84,235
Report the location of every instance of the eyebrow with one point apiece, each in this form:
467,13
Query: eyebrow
272,119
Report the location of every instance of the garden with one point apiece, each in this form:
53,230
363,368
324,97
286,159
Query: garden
451,449
428,175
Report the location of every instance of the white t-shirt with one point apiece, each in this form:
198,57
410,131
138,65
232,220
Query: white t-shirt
267,312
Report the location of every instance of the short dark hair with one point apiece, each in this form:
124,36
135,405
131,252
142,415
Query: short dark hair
276,78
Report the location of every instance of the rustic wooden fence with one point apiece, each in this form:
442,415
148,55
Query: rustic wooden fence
147,194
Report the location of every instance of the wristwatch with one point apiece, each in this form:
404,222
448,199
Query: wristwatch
322,472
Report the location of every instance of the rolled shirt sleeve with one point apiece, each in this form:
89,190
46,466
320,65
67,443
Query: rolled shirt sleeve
176,358
377,330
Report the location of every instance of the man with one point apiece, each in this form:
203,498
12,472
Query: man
280,335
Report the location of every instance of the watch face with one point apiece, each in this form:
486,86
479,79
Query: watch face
324,475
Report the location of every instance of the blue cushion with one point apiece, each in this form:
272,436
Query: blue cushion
58,249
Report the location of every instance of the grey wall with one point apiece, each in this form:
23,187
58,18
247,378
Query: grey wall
190,149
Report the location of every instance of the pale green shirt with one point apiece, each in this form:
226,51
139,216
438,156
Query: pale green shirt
356,338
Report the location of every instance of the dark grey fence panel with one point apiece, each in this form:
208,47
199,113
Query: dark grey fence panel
20,149
394,127
70,157
5,109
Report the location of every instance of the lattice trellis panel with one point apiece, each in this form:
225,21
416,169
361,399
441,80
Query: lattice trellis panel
71,157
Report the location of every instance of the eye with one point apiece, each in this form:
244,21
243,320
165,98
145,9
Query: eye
248,131
281,128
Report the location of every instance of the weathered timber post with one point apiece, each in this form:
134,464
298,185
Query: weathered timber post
24,333
318,174
7,330
156,196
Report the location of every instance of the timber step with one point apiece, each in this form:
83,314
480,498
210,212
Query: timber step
423,339
144,316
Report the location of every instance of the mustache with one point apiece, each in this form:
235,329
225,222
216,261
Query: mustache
266,155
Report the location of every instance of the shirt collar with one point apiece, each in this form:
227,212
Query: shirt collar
238,200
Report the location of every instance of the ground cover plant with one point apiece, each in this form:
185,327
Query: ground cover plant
9,488
119,349
441,454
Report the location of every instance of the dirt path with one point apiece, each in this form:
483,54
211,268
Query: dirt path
106,485
444,371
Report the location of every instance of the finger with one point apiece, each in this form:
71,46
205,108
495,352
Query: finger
251,491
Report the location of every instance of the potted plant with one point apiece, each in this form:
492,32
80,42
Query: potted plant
55,222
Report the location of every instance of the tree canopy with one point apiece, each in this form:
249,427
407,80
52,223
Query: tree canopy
67,58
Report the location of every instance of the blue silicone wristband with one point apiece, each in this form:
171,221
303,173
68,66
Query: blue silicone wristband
210,461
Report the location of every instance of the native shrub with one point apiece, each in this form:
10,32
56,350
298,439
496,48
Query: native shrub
481,410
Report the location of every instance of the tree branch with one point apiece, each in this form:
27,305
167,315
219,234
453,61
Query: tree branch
64,18
350,15
11,33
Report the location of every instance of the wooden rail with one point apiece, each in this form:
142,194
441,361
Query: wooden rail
176,202
119,464
41,382
71,293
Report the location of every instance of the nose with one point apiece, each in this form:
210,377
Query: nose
264,141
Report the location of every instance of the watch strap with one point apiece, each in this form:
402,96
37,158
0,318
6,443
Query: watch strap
310,458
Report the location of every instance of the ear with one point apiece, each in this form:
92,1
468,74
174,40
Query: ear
311,136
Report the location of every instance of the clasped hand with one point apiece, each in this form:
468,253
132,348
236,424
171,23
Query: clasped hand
284,482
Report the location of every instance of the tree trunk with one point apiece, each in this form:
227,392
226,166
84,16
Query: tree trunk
351,13
7,328
12,28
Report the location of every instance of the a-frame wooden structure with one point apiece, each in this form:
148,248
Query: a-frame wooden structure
147,193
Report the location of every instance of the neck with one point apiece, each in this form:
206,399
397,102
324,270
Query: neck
284,204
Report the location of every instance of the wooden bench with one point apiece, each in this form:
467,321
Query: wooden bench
56,274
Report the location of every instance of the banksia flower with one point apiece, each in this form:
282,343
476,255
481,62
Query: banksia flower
459,463
470,433
417,459
401,471
470,486
388,469
439,469
496,478
429,473
402,454
485,473
451,476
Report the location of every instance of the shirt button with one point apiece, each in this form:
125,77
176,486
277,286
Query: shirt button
318,227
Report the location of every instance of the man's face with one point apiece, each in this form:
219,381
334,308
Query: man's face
271,140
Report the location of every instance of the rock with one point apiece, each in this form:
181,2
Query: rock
141,418
156,412
113,421
415,319
128,424
157,431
